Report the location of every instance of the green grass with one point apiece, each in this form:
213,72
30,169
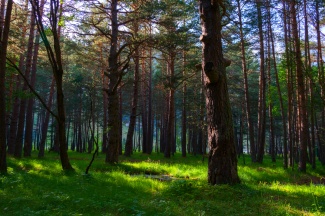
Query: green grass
39,187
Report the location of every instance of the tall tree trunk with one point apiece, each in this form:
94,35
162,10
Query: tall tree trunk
133,115
113,102
184,113
311,89
283,117
144,111
30,102
288,130
247,99
55,58
149,124
262,88
302,119
222,164
23,102
269,65
171,107
321,78
3,55
45,124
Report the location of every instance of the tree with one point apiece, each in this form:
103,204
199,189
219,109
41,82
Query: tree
262,89
55,58
114,74
302,118
4,32
222,164
247,99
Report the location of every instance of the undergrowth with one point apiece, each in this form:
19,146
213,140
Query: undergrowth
154,185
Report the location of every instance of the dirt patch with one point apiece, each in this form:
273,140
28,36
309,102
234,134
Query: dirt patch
307,180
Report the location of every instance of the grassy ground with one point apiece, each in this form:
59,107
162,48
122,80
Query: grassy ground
153,185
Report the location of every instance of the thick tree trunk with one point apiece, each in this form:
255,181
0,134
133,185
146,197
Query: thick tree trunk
302,119
222,165
113,102
3,55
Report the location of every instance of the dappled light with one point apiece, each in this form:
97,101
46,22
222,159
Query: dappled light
39,187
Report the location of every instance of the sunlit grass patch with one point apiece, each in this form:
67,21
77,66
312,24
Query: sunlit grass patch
153,185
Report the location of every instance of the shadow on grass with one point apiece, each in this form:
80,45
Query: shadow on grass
39,187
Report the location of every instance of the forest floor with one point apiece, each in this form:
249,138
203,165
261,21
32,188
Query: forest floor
153,185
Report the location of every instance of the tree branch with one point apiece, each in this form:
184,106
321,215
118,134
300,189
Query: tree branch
12,64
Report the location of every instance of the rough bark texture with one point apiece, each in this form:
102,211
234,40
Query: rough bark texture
222,164
113,102
3,55
302,118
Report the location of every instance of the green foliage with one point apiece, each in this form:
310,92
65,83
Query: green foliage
39,187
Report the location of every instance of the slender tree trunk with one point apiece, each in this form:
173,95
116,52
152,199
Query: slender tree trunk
30,102
288,130
184,116
222,164
149,124
14,120
144,113
269,65
262,89
247,98
45,124
311,89
171,108
321,79
55,58
133,115
23,102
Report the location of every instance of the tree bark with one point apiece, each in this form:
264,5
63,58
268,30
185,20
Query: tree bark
302,119
222,164
250,124
262,89
3,55
45,124
184,113
30,101
55,58
113,102
134,104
